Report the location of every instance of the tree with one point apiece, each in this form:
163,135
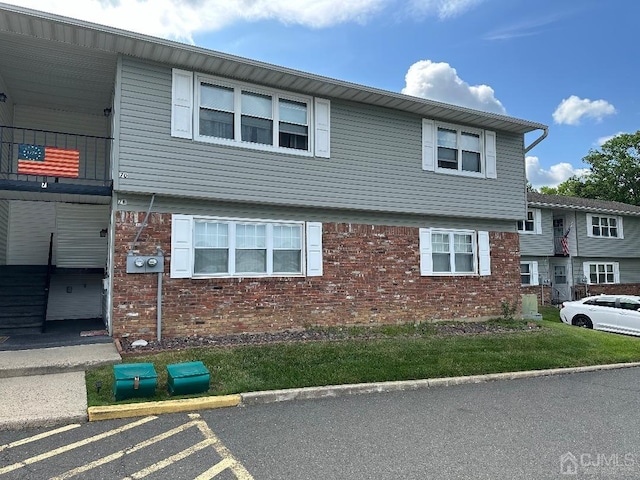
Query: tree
614,173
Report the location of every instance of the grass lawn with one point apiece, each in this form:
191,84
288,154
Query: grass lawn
394,356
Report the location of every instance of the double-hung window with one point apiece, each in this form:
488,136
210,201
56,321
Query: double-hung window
458,150
602,272
529,273
221,247
532,224
241,114
604,226
217,110
454,252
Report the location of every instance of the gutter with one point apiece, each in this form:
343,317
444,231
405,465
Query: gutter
538,140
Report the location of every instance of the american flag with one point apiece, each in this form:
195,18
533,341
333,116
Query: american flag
565,241
50,161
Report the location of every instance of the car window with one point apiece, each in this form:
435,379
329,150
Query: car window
605,303
629,305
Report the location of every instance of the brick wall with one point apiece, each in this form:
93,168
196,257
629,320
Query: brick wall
537,291
615,289
371,275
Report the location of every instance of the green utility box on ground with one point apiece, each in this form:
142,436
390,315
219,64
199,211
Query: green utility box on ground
189,377
134,380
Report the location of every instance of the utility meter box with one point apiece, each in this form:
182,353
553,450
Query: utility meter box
189,377
145,263
134,380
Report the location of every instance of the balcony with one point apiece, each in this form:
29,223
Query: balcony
54,162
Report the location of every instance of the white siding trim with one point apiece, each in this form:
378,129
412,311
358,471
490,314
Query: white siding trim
314,249
484,254
616,272
182,104
490,154
534,273
181,246
428,144
620,230
322,126
426,261
589,226
537,217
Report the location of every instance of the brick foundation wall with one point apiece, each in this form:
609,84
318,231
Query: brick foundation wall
615,289
538,292
371,275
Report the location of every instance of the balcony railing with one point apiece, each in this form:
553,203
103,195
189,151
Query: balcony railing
92,153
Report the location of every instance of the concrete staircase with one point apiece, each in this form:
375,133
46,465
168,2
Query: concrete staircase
23,298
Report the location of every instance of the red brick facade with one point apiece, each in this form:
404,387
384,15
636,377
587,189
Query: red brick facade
371,275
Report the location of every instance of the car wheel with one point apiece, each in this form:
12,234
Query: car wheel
582,321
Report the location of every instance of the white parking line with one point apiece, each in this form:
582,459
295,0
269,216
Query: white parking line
215,470
40,436
72,446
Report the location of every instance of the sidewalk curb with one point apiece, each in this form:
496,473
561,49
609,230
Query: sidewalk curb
111,412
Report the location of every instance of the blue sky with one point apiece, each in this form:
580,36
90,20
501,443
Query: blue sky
570,64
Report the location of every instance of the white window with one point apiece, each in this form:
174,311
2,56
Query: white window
602,272
222,247
458,150
533,223
454,252
529,273
244,115
604,226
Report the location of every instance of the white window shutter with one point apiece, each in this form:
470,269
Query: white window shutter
428,145
182,104
181,246
314,249
534,273
484,253
586,271
322,128
620,231
426,260
589,225
490,154
616,272
537,217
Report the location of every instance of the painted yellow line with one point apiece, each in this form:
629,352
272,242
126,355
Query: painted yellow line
237,468
215,470
170,460
74,445
122,453
40,436
127,410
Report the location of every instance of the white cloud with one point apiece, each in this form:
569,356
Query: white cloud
440,82
571,110
181,19
555,175
443,8
603,140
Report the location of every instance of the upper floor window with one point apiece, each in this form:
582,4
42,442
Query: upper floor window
604,226
241,114
216,110
532,224
458,150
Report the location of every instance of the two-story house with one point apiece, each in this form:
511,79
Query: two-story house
186,191
573,247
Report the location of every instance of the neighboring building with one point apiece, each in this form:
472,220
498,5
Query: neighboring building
279,199
572,247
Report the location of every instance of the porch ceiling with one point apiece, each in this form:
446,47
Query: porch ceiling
77,79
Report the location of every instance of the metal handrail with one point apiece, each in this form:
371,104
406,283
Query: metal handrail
47,284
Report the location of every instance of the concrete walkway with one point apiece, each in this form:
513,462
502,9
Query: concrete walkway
44,387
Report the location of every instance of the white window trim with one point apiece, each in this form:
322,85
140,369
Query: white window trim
430,149
537,223
481,252
182,247
590,226
274,94
533,273
586,269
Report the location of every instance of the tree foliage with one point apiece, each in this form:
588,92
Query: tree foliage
614,172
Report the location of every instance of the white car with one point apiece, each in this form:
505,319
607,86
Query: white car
611,313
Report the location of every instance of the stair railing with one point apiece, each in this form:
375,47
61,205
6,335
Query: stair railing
47,282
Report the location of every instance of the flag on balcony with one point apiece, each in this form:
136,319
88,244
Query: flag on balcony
50,161
565,241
